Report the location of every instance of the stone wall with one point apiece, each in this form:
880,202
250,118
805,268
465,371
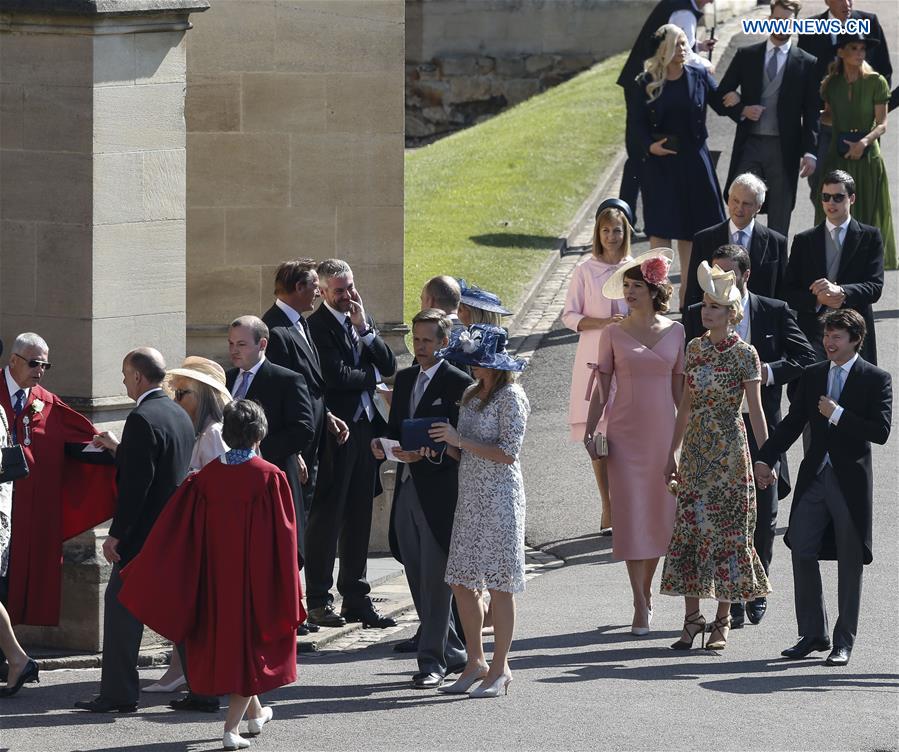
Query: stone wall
295,148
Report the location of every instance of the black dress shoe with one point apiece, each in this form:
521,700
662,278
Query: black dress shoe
427,681
737,615
29,674
99,705
325,616
756,609
191,702
406,646
839,656
805,646
369,616
4,671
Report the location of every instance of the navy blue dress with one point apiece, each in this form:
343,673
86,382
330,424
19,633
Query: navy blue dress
681,195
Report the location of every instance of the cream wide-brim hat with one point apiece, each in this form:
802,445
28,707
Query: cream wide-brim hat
614,286
201,369
719,285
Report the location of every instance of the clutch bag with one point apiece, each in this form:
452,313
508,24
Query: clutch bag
600,445
14,464
414,434
671,142
851,136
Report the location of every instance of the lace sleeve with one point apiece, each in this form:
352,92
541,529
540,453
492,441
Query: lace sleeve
514,408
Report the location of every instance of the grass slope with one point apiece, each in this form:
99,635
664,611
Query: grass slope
489,202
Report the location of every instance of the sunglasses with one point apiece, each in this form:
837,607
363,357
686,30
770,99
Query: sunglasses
837,198
34,363
179,393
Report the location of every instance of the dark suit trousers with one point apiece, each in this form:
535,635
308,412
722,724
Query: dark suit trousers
820,505
633,165
122,634
766,508
424,562
182,653
762,157
340,520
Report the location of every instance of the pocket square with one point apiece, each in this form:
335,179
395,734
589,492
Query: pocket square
438,401
769,336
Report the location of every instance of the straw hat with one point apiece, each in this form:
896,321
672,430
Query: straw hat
203,370
719,285
614,286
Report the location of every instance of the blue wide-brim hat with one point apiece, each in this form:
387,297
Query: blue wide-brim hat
481,346
478,298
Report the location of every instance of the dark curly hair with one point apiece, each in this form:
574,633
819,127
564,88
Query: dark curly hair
661,294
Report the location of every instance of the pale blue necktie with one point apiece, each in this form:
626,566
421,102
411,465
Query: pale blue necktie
741,238
241,392
836,385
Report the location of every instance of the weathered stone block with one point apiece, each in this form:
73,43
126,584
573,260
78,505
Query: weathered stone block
213,103
205,239
283,102
510,67
164,184
373,233
230,38
427,71
517,90
416,126
238,169
114,60
485,64
377,284
46,59
460,65
575,63
362,103
129,118
218,296
272,235
118,188
58,118
541,62
468,89
12,109
435,114
160,58
432,92
18,267
46,187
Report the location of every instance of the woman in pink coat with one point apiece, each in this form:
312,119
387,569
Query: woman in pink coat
588,312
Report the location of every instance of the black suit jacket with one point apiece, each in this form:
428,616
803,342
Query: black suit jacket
767,255
284,399
797,105
151,461
288,348
780,343
344,381
822,47
867,401
437,485
860,275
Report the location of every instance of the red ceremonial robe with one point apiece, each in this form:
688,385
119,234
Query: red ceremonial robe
219,573
60,498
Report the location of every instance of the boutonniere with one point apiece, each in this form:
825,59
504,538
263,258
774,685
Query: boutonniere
37,407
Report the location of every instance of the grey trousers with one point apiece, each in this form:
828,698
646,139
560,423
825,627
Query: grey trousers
424,560
762,157
121,645
820,505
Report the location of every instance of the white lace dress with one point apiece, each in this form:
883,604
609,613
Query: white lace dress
487,545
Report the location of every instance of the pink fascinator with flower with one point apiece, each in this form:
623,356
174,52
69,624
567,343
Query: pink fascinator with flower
655,270
654,266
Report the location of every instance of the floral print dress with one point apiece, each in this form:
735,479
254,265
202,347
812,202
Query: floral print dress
711,554
487,546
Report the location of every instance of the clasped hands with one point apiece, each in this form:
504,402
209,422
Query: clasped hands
827,293
764,475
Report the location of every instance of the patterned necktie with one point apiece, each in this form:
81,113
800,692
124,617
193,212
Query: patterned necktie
241,392
836,384
17,408
771,70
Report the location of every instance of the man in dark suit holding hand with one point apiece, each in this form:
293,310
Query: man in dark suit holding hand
424,500
770,327
151,461
353,360
847,404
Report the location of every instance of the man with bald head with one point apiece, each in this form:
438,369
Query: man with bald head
443,293
151,462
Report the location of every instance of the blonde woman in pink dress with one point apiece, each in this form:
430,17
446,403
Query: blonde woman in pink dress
588,312
645,354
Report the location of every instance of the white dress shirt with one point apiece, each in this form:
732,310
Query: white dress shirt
149,391
13,387
294,317
844,228
747,231
781,51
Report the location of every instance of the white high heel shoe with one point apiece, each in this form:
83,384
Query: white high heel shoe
463,683
493,690
230,740
254,725
173,686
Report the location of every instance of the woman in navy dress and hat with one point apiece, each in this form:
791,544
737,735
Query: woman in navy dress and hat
681,195
487,545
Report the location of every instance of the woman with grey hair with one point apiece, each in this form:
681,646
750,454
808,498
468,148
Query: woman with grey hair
218,573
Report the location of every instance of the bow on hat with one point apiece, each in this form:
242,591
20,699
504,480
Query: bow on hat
719,285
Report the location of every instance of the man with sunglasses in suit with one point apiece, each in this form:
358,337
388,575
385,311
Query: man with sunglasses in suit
354,358
838,264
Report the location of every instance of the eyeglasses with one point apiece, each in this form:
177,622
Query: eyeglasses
179,393
34,363
837,198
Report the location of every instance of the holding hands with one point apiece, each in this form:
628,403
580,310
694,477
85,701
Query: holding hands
764,475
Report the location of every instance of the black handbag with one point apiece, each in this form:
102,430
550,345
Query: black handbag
414,434
852,137
671,142
13,465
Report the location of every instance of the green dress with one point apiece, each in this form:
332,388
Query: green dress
872,189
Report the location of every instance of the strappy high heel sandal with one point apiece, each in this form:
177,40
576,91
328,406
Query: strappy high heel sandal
721,625
694,625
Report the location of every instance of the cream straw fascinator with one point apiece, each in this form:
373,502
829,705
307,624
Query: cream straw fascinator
719,285
613,289
203,370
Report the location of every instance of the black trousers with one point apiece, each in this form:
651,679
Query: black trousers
122,634
766,509
340,520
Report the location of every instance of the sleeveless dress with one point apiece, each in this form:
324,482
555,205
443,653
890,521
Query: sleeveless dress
640,428
872,188
711,554
487,545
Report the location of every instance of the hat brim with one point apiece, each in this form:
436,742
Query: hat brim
614,286
475,303
869,42
203,378
499,362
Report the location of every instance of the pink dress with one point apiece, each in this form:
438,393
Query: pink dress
640,428
585,298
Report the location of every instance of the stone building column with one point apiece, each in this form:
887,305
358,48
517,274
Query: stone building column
92,214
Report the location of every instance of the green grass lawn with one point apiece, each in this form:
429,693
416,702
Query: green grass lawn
489,202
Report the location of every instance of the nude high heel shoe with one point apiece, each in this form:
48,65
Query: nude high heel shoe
463,683
493,690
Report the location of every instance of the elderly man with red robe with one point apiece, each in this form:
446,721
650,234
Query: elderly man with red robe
65,493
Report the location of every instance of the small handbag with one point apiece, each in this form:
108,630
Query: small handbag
600,445
414,434
852,137
13,464
671,142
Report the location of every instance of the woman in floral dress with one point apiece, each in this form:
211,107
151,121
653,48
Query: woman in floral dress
711,554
